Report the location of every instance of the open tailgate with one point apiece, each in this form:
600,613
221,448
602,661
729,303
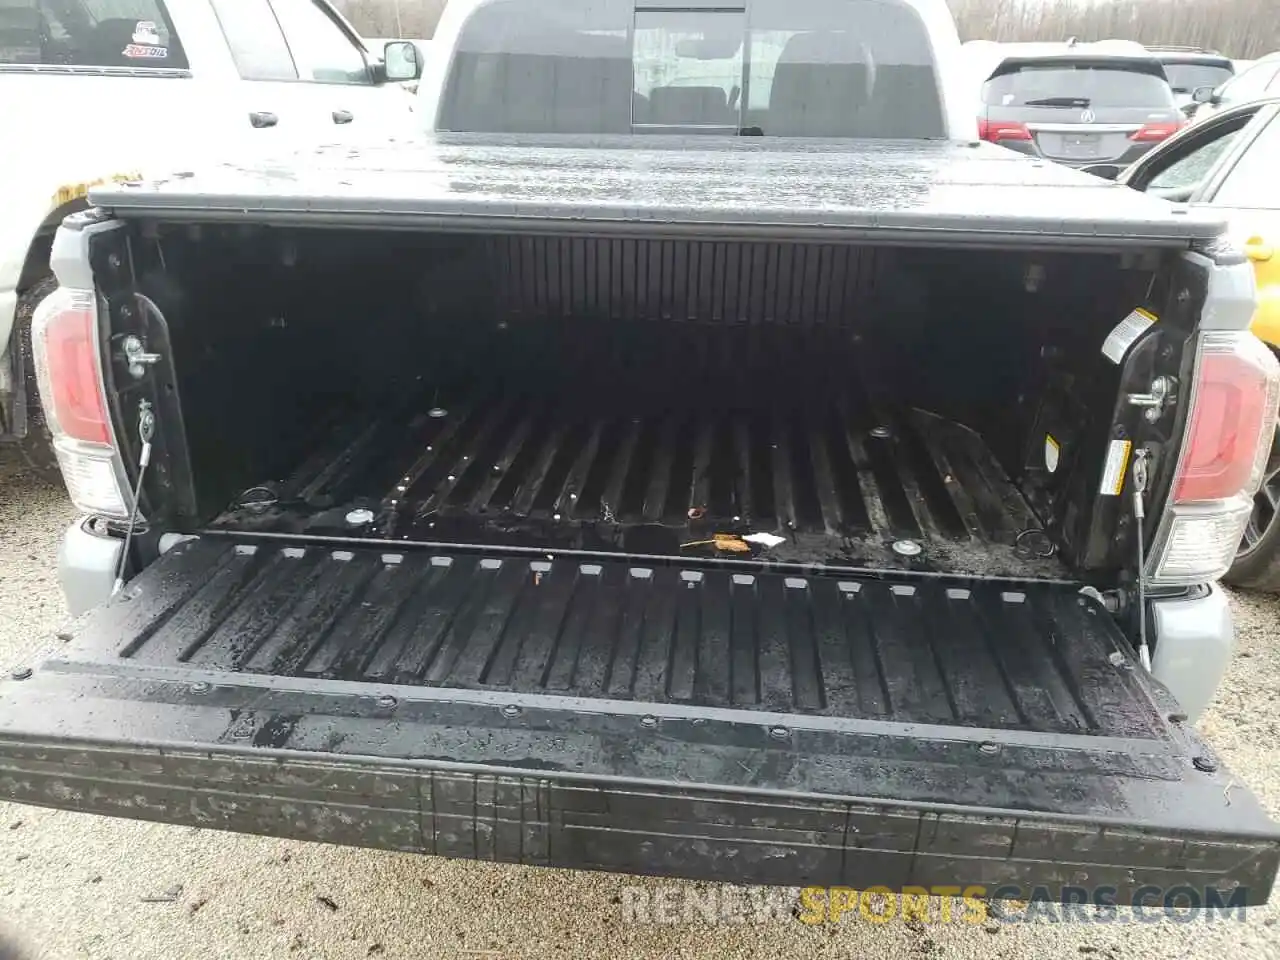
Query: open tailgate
712,722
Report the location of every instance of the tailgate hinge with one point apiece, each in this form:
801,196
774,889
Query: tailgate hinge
1162,394
137,357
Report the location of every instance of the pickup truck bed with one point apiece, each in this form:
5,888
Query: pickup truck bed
457,603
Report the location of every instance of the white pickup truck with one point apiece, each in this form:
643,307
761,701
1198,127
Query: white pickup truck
98,90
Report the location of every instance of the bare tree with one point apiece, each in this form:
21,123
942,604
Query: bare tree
411,19
1239,28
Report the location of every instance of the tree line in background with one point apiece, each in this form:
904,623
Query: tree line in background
410,19
1245,29
1239,28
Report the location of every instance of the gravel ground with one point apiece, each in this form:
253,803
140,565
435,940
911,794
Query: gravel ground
73,885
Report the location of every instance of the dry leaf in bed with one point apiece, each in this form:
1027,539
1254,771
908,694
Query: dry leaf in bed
722,541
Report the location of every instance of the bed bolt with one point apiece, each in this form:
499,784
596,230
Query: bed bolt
386,700
22,673
1204,764
990,749
511,711
880,433
200,686
779,733
907,548
649,722
359,517
437,413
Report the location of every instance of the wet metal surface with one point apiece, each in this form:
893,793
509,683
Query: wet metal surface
763,186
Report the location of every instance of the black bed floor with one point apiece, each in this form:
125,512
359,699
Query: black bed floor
654,447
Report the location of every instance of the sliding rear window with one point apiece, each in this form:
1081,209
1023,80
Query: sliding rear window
1058,83
88,33
805,68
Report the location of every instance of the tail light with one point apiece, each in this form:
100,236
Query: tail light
1232,421
996,130
64,345
1155,132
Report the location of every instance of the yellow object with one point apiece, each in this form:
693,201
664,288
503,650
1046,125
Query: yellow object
722,541
1266,265
74,191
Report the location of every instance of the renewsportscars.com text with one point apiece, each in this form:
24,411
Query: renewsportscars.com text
975,904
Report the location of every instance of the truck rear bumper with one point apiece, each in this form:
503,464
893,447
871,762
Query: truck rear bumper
87,566
754,728
1195,637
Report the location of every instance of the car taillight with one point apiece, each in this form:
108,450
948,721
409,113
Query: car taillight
1230,426
995,130
1155,132
64,345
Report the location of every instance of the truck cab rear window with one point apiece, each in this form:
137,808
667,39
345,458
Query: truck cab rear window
1079,85
89,33
805,68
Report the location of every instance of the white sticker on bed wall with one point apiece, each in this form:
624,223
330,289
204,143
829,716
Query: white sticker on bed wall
1125,333
1052,453
1114,468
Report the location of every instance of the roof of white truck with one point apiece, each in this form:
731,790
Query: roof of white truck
735,186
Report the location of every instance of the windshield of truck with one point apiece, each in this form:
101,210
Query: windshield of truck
88,33
1055,84
1186,77
804,68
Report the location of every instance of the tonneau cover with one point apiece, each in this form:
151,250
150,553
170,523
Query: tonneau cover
734,186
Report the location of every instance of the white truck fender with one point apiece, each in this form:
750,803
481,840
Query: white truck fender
30,209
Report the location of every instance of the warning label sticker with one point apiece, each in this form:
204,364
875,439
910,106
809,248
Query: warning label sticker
1052,453
1125,333
1114,468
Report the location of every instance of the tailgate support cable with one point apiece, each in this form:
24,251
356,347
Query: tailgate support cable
1139,513
146,430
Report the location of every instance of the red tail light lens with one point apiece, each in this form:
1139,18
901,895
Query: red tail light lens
1228,436
1232,417
1155,132
65,344
996,130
